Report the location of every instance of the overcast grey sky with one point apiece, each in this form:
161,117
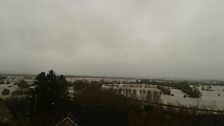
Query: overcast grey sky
148,38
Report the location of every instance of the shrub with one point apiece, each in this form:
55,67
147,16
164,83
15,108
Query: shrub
5,92
164,90
23,84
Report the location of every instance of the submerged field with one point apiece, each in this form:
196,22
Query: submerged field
95,101
212,99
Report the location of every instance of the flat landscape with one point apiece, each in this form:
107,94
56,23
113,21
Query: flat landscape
111,63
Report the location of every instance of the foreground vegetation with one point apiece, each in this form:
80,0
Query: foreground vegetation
91,105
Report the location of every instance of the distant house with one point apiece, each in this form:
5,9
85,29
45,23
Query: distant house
68,121
5,115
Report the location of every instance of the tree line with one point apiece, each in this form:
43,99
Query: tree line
184,86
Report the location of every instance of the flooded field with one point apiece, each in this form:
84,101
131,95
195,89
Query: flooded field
213,99
209,99
10,87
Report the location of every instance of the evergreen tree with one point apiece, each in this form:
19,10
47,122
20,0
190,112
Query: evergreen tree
50,93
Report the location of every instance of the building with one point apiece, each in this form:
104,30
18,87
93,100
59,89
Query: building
69,120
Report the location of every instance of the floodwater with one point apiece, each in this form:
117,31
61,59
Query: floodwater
209,99
10,87
213,100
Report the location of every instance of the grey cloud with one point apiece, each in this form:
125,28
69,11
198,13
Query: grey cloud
154,38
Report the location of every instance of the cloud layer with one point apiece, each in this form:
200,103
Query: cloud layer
148,38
